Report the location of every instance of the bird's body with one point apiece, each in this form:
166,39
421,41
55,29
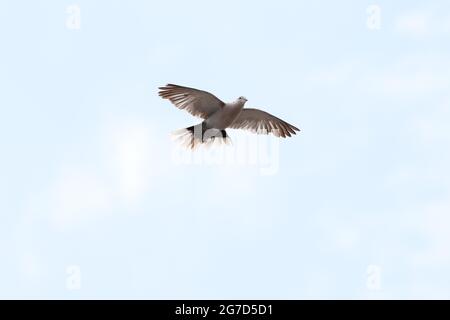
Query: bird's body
224,117
219,116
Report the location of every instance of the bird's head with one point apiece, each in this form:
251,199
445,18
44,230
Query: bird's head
242,99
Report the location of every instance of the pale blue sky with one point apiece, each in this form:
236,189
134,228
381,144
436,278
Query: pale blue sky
90,178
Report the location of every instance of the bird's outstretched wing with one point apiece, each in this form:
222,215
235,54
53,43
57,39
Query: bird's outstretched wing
197,102
261,122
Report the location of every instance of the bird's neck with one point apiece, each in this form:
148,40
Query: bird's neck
238,104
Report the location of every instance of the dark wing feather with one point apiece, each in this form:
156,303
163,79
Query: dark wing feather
261,122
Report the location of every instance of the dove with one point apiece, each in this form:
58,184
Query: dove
218,116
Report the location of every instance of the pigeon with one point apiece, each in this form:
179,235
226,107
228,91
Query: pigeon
218,116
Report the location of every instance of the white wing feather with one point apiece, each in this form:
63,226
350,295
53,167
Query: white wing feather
197,102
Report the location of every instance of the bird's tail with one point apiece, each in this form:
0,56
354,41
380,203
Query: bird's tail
193,136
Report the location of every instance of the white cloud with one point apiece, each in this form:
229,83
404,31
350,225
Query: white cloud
131,154
406,77
433,127
333,75
407,82
422,23
341,234
411,76
119,174
415,24
165,54
30,266
446,25
77,196
434,223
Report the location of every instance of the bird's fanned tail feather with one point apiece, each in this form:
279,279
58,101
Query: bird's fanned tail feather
194,136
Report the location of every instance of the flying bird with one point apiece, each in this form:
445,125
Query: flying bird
219,116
